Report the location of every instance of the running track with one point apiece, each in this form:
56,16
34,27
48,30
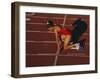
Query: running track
41,47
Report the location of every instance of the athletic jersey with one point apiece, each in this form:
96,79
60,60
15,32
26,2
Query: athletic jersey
64,31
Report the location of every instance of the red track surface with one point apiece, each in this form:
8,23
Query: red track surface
41,47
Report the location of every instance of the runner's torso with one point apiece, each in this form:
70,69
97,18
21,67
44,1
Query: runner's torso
64,31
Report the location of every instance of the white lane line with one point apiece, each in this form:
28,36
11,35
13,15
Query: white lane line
41,41
40,31
44,17
43,23
36,23
53,17
59,55
64,20
85,34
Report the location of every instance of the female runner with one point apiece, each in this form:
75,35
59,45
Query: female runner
63,35
68,38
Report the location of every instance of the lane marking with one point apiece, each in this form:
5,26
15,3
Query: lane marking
59,55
